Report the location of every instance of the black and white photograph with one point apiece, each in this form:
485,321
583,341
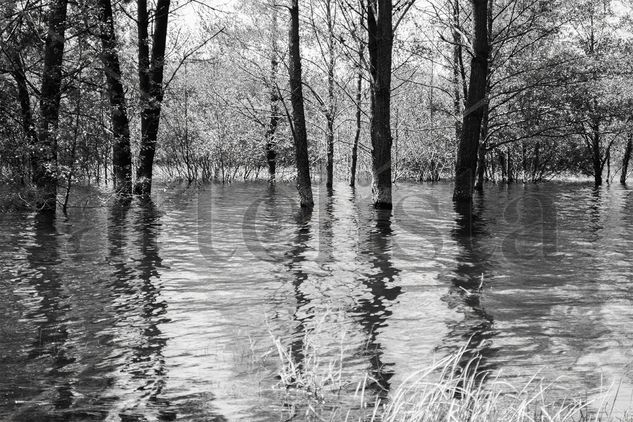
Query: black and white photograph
316,210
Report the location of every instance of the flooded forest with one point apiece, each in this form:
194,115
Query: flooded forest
316,210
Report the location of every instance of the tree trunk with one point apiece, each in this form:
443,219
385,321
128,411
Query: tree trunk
380,42
121,152
359,99
359,109
151,87
596,155
457,82
473,115
331,112
626,159
481,168
536,164
300,136
509,164
481,154
45,155
502,164
25,99
271,154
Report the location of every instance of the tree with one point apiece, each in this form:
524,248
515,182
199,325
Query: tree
121,153
45,154
273,123
380,44
626,159
475,106
151,88
299,132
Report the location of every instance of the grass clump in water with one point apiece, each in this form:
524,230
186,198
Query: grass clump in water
453,389
450,390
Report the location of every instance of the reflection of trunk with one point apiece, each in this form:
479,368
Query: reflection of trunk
626,159
271,154
297,258
45,155
380,32
473,115
151,87
375,308
359,110
121,154
466,291
304,184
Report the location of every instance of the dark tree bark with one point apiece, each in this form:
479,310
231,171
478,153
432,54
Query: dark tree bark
598,163
331,106
45,154
457,81
273,123
121,152
475,106
380,44
151,87
359,110
359,105
19,75
481,168
299,132
536,164
503,165
626,159
510,170
481,153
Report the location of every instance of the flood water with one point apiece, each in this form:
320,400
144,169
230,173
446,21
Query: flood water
170,309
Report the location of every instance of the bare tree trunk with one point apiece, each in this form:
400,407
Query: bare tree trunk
45,156
457,60
359,99
271,154
359,107
481,168
475,106
300,136
626,159
380,42
121,152
481,154
596,155
19,76
536,164
509,165
331,112
151,87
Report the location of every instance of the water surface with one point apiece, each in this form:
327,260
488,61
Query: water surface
169,309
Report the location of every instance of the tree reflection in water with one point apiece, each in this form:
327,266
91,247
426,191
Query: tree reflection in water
374,311
50,316
138,307
296,257
476,330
